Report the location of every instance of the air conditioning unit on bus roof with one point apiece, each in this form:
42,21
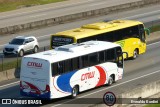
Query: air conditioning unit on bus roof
76,47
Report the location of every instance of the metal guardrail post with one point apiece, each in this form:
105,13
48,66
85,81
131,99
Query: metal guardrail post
17,59
2,61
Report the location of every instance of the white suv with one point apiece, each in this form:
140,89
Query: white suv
21,45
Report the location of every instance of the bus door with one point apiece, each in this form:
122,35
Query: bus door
142,39
88,75
120,61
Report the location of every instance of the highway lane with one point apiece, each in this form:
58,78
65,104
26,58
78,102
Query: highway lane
138,72
55,10
146,15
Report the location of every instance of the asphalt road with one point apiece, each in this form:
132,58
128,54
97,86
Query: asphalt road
148,15
54,10
138,72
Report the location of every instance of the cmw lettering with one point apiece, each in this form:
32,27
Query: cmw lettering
87,75
34,64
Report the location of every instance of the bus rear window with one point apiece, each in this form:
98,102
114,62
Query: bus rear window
59,41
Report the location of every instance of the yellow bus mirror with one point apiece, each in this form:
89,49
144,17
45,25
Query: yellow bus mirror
147,31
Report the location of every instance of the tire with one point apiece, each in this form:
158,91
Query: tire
135,54
35,50
74,92
110,81
21,53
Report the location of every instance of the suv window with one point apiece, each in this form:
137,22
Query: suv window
17,41
31,39
27,41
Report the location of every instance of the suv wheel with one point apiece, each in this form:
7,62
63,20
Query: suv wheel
21,53
35,50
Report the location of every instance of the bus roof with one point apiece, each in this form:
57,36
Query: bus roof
72,50
97,28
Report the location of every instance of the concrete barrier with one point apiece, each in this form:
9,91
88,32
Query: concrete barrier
77,16
136,94
9,74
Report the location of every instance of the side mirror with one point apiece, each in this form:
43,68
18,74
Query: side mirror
24,43
126,54
147,31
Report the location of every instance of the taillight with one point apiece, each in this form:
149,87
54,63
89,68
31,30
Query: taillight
20,84
47,88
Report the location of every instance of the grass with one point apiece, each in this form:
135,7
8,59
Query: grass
7,5
10,65
154,28
152,105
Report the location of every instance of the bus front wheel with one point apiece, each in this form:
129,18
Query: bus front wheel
74,91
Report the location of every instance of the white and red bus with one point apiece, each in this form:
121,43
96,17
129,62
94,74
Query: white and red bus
70,69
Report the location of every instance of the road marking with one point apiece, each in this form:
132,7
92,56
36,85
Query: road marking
96,4
153,43
109,87
141,14
9,84
38,15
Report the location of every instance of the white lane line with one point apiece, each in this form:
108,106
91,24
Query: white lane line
9,84
46,8
38,15
138,15
43,36
153,43
96,4
110,87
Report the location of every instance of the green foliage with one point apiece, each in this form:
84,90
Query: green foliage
10,65
7,5
154,28
152,105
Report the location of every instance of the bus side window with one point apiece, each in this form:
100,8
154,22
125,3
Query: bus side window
110,55
61,67
93,59
101,57
54,69
75,63
67,64
84,60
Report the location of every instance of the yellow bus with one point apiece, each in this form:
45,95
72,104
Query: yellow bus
130,34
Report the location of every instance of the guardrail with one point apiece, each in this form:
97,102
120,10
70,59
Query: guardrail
77,16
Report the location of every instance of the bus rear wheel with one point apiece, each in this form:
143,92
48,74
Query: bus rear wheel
75,91
110,81
135,54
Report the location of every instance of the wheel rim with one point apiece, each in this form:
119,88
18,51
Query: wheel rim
135,54
110,81
35,49
74,92
21,53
